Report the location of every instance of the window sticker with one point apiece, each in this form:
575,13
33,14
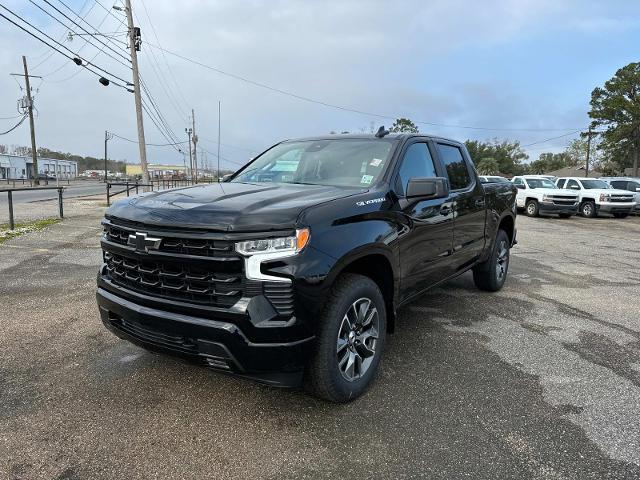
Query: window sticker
366,179
376,162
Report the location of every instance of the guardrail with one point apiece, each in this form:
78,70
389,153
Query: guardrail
10,191
30,181
128,187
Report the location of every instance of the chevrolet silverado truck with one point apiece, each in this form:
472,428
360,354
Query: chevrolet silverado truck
596,196
538,195
291,271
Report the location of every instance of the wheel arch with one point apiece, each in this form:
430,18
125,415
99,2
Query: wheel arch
376,263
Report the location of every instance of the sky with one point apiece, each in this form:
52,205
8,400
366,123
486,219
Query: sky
511,69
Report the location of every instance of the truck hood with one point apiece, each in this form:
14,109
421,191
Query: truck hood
606,191
231,207
555,191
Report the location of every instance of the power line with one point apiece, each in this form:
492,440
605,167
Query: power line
343,108
59,51
148,144
15,126
549,139
84,29
11,118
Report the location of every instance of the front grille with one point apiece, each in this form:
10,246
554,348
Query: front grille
202,247
562,200
180,281
621,198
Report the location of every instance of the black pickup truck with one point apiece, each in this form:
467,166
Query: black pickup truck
292,270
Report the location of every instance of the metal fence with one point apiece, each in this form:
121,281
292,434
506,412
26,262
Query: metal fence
10,191
154,184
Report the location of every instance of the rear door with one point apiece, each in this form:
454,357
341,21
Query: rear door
426,238
468,198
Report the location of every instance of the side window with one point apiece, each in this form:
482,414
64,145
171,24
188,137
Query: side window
574,185
622,185
417,163
456,166
560,183
518,181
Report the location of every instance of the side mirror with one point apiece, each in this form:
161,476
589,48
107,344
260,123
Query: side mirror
428,188
226,177
574,187
520,187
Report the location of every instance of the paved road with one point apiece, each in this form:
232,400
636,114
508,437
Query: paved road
71,191
539,381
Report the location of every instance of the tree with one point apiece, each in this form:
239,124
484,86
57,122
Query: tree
404,125
548,162
488,166
616,106
508,155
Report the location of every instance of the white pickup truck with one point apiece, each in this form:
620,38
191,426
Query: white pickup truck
596,196
538,195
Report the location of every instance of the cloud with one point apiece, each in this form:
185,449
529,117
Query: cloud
392,58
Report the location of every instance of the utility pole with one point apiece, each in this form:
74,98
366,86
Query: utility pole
189,131
218,171
107,136
194,139
589,134
134,46
34,152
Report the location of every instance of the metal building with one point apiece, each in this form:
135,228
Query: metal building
16,167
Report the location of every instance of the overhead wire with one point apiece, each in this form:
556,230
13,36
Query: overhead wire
123,85
15,126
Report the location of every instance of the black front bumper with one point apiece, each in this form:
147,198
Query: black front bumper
217,344
558,209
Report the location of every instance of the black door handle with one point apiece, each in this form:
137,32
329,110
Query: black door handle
480,203
445,210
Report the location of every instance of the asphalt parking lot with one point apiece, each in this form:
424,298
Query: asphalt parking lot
540,381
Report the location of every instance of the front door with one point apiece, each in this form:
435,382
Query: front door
469,206
427,225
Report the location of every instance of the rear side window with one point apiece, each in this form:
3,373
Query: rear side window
456,166
417,163
560,183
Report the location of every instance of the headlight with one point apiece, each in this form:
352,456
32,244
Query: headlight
256,252
547,198
605,197
285,245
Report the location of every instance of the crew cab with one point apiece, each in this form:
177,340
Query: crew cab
538,195
292,270
596,196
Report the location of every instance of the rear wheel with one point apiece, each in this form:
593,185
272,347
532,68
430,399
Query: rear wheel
492,273
620,215
349,340
588,209
532,208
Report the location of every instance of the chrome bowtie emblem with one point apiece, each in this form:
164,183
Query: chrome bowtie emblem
143,243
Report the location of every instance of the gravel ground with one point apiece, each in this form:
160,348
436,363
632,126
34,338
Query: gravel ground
541,380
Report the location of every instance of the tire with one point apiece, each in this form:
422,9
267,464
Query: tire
565,215
334,372
491,274
532,208
588,209
620,215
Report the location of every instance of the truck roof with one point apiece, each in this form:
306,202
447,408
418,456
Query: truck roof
370,136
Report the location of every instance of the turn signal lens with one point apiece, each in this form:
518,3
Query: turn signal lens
302,238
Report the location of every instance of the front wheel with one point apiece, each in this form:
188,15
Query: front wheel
532,208
491,274
349,341
588,209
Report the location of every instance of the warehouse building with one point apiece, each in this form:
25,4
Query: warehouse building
16,167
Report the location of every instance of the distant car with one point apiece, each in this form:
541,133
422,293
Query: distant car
45,176
538,195
597,196
626,183
492,179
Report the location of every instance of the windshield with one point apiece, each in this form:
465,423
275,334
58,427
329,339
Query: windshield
591,184
341,162
539,183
